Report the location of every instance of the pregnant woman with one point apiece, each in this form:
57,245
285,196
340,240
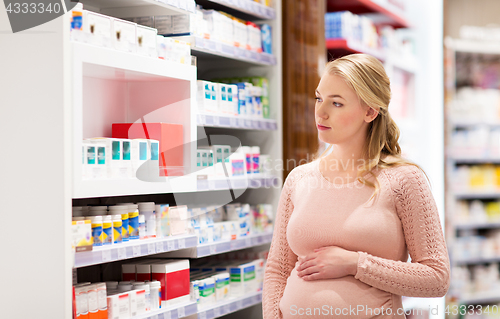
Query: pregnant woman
347,221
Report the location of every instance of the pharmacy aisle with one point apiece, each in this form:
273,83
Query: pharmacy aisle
161,122
473,153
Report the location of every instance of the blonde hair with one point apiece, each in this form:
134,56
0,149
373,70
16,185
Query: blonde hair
366,75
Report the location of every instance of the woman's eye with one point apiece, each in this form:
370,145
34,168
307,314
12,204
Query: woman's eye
318,99
337,104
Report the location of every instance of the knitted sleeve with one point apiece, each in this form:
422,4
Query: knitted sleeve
281,259
428,274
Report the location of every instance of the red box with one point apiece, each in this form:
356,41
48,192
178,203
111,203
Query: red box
174,279
170,136
128,272
143,272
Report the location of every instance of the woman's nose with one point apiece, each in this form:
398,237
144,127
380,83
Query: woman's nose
320,112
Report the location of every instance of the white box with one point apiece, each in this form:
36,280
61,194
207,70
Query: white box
124,35
98,27
222,286
242,279
94,161
206,97
163,24
146,41
114,306
118,161
232,98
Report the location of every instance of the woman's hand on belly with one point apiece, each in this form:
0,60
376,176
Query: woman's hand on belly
328,263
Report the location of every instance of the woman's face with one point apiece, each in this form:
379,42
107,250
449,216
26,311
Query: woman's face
340,115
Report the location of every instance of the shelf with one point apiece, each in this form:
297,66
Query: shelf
236,122
110,64
471,46
138,8
348,46
203,250
204,48
244,9
478,225
220,184
133,249
474,160
166,185
475,261
172,312
476,195
468,123
385,13
481,298
229,306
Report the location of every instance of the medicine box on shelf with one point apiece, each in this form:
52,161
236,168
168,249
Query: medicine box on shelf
170,137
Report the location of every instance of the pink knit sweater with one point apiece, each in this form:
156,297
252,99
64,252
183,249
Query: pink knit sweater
314,212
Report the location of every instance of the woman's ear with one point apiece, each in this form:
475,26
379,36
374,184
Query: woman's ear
370,114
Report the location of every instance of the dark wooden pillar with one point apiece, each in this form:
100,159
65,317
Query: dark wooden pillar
304,56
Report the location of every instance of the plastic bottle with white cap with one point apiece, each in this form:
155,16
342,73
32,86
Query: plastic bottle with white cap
133,221
117,229
147,298
97,232
123,211
107,230
142,227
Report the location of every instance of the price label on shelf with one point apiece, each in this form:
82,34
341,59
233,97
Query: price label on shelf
167,315
122,254
154,317
182,243
159,247
226,309
136,251
248,242
151,248
218,47
181,312
106,255
217,312
203,315
213,249
232,122
171,245
239,304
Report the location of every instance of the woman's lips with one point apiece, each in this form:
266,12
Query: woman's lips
322,127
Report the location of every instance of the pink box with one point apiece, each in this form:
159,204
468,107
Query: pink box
128,272
173,276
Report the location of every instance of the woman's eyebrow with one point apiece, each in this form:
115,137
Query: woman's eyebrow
336,95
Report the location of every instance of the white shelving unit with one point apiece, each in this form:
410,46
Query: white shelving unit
457,157
72,91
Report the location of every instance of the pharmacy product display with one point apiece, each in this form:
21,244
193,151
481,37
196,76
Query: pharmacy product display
219,160
113,225
212,25
122,35
473,179
362,30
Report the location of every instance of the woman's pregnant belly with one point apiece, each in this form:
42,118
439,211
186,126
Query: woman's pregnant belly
344,297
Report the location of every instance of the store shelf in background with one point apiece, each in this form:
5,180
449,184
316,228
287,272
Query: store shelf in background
487,297
487,225
173,312
406,62
133,249
476,261
138,8
229,306
477,195
236,122
388,14
204,48
106,63
344,46
463,45
217,184
176,184
474,160
467,123
251,10
203,250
